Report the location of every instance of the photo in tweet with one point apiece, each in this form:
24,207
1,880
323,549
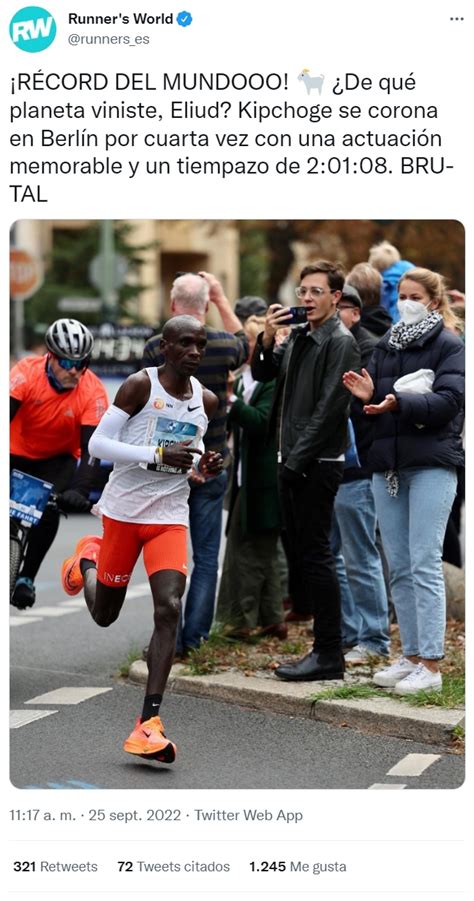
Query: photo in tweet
292,452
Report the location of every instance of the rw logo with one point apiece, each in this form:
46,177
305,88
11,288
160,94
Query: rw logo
32,29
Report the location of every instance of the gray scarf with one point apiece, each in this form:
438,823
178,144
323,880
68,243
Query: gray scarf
401,334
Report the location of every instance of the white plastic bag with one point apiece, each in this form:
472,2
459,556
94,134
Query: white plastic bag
419,382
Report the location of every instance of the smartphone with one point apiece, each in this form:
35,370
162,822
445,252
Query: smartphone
298,315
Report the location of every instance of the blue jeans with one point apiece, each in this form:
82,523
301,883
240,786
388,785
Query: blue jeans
413,525
205,524
359,568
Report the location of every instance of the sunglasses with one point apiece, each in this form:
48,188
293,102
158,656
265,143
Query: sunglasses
73,364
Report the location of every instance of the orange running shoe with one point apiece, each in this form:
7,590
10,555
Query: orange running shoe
148,740
71,576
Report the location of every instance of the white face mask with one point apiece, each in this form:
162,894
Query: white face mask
412,311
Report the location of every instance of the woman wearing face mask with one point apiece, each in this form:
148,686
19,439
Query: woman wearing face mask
415,451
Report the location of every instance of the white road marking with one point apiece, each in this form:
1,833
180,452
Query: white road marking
49,611
413,764
68,695
385,785
38,613
20,718
137,591
77,603
21,620
68,606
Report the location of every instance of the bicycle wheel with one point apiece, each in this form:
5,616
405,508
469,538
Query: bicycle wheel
15,560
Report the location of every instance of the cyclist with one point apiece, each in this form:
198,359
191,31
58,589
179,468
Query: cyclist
55,404
152,432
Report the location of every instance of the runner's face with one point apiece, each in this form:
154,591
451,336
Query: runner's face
185,350
68,378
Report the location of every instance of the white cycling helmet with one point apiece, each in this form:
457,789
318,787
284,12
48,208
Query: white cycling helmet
69,338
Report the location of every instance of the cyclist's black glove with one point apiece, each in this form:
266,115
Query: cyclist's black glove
72,501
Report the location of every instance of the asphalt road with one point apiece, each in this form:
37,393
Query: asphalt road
73,739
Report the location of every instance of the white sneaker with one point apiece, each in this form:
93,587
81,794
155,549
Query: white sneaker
421,679
389,676
359,655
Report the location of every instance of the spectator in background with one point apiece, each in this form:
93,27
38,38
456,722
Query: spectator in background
458,305
310,415
452,551
368,283
387,260
365,628
375,319
250,305
225,350
413,389
456,298
250,591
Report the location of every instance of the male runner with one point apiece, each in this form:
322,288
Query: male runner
193,295
151,432
55,404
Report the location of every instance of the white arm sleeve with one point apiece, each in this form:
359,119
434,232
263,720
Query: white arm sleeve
105,445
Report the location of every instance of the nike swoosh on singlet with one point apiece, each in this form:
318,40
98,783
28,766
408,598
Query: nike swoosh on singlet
191,409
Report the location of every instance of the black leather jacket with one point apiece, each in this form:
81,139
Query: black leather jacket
313,403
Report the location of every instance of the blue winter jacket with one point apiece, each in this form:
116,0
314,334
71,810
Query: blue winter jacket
426,428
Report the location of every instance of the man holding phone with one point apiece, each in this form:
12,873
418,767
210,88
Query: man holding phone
310,413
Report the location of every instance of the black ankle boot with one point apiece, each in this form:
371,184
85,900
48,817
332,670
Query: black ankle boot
316,665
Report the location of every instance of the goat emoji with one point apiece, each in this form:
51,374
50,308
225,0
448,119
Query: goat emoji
311,81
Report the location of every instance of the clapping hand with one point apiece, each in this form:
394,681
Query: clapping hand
388,404
360,385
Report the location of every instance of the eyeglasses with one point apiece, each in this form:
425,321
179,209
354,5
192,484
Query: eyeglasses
73,364
313,292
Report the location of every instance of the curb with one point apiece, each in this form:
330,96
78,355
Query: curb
382,716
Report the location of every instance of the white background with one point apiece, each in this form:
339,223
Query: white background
371,39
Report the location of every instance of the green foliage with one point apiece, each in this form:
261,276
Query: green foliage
254,260
292,647
133,655
267,247
459,733
451,695
67,275
202,660
207,658
345,692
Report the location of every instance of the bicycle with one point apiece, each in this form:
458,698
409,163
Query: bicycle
29,498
